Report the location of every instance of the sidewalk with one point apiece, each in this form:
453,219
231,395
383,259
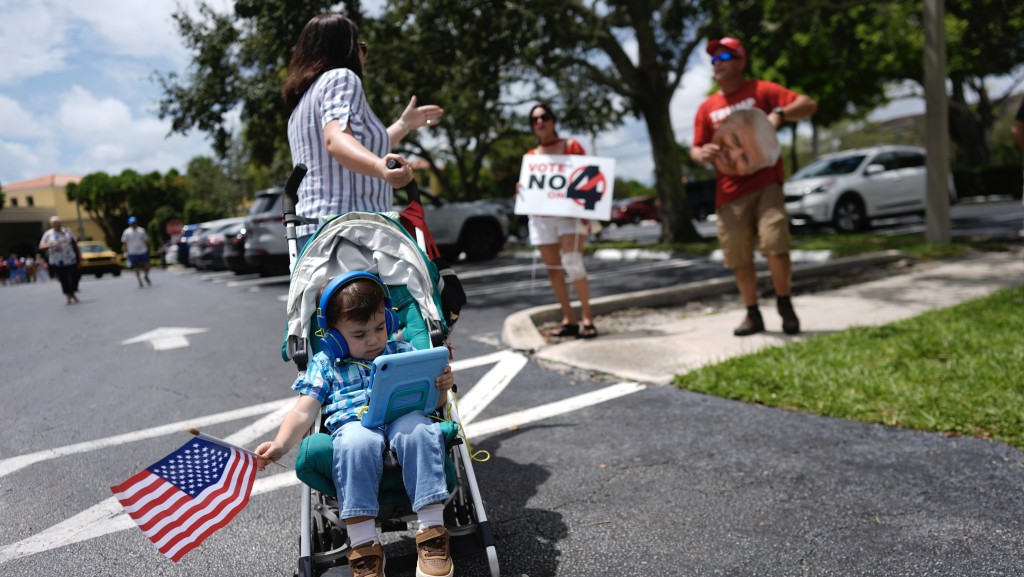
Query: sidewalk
652,348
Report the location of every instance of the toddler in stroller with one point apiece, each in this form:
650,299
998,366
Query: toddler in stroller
355,320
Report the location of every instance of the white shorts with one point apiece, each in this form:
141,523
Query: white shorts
549,229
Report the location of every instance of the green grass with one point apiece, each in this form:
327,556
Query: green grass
957,371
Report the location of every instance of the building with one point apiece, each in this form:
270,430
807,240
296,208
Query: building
28,206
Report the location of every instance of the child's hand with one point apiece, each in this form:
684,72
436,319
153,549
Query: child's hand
267,452
446,380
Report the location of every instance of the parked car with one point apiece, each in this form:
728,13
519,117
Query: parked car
211,244
182,245
200,240
233,253
266,249
98,259
479,228
850,188
634,210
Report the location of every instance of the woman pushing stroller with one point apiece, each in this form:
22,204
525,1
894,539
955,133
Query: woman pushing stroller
357,319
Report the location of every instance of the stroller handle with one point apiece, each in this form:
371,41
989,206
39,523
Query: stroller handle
291,188
411,189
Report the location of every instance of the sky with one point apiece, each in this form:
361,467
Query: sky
77,93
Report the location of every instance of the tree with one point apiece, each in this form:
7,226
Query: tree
586,49
467,56
110,200
848,55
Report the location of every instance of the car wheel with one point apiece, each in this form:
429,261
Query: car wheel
481,240
117,273
99,275
848,215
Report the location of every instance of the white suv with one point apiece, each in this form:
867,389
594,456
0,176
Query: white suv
850,188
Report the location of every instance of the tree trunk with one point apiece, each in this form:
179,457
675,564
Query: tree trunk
676,220
970,131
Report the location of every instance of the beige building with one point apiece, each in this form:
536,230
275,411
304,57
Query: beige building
28,206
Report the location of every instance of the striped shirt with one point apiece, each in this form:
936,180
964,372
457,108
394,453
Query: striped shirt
328,187
342,389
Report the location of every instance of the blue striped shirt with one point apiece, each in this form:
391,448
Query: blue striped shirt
342,389
328,187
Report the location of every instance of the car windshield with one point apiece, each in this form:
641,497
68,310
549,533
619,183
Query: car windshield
829,167
263,203
93,248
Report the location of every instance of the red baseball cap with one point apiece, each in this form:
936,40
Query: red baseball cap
731,44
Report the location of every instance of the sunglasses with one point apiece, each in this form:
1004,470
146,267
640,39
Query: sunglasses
364,48
542,118
724,57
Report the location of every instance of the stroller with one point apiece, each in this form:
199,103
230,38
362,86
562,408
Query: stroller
427,302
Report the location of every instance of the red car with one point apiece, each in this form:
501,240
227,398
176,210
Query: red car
635,209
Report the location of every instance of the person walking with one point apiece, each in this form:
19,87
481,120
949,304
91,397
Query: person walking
333,131
64,255
561,239
135,246
750,205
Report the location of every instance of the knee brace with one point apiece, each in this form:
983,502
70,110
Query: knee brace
572,263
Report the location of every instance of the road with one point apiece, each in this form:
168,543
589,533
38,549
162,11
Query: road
649,481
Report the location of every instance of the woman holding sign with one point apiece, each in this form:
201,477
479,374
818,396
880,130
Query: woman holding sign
560,239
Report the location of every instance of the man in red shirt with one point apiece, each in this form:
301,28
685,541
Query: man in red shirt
749,201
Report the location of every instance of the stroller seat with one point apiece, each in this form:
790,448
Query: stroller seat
380,244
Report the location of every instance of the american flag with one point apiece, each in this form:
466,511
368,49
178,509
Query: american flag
182,499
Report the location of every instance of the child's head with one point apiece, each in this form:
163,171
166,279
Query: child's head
356,310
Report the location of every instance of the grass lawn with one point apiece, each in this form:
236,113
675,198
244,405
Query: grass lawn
958,371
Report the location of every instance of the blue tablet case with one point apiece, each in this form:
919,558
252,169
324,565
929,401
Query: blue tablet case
402,383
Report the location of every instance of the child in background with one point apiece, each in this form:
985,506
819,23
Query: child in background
354,307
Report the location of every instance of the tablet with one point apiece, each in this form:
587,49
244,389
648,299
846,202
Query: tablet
402,383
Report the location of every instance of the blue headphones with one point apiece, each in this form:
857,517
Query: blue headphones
331,341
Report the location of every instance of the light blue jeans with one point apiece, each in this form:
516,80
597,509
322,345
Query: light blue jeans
359,463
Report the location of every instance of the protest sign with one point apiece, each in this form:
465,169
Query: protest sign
566,185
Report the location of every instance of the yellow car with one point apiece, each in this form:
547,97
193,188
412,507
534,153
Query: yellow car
97,259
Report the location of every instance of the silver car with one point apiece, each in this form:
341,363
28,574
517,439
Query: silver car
850,188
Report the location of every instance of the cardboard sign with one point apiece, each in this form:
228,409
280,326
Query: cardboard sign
566,185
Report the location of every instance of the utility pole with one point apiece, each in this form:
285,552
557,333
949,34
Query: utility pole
78,211
936,130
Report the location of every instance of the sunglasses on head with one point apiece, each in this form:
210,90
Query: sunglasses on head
542,118
723,57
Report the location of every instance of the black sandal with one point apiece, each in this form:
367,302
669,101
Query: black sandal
566,331
588,332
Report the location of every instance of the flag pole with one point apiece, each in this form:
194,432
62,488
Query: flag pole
227,444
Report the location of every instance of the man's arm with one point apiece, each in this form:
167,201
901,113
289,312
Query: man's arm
800,109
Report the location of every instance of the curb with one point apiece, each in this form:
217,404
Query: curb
519,331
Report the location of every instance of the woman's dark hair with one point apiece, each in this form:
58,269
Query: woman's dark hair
546,108
356,300
328,41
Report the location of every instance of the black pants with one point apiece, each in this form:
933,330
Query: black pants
68,276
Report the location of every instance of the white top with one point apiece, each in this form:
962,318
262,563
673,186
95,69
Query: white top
135,238
329,188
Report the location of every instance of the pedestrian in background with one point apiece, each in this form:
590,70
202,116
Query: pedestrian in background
560,239
333,131
751,208
64,255
135,245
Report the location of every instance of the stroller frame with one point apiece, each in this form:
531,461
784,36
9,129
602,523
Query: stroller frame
323,539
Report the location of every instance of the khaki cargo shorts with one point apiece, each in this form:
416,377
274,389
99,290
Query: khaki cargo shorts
758,218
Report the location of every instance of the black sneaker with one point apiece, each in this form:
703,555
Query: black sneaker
753,324
790,323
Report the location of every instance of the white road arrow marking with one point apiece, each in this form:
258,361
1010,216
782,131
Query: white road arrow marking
165,338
